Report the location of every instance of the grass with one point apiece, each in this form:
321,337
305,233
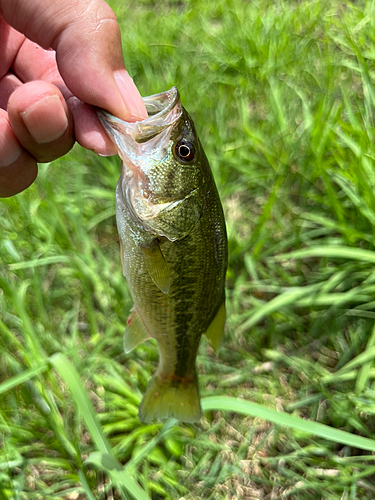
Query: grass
282,95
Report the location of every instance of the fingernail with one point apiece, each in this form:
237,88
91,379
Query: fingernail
106,155
10,148
34,118
131,96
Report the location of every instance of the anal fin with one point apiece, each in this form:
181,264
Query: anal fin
135,331
157,266
214,332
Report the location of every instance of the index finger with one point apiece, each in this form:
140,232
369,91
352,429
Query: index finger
86,38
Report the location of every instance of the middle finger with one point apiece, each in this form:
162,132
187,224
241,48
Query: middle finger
41,120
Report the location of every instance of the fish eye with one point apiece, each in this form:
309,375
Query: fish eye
185,150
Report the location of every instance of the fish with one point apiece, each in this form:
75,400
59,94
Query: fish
174,249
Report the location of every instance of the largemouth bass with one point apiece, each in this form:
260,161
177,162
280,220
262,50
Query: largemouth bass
173,249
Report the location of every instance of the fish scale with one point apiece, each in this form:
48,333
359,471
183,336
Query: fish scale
173,249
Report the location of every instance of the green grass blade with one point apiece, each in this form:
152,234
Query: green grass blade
104,458
85,485
117,473
22,377
17,296
70,375
360,360
147,448
222,403
365,370
337,252
286,298
46,261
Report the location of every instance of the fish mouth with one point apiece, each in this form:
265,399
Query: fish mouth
148,138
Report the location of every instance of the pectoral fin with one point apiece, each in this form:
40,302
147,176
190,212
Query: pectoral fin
214,332
157,266
135,331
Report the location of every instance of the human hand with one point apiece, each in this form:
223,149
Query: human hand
45,95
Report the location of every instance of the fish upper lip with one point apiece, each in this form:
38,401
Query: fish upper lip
164,108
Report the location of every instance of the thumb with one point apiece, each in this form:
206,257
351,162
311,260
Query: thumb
86,37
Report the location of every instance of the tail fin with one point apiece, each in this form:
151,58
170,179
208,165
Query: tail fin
167,398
